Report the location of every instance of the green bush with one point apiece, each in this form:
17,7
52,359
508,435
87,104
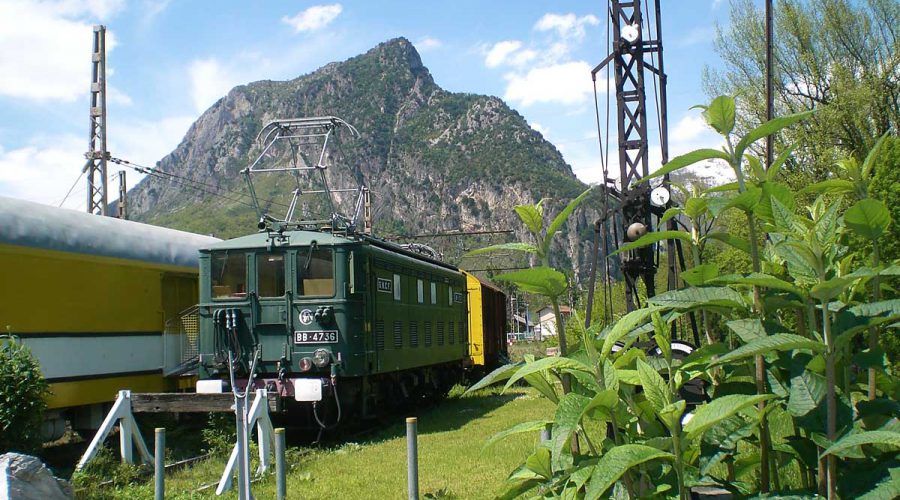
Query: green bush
22,398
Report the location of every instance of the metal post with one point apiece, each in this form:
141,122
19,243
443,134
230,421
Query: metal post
280,482
159,464
123,196
98,155
243,450
412,459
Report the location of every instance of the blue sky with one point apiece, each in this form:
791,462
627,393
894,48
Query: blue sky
168,61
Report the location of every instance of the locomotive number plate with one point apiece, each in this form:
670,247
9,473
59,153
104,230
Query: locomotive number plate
320,337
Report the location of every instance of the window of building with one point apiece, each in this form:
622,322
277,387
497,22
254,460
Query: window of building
229,276
315,272
270,275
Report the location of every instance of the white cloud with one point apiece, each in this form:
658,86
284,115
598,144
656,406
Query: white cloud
46,168
697,36
500,52
428,43
567,83
716,4
48,46
566,25
540,128
116,96
313,18
210,80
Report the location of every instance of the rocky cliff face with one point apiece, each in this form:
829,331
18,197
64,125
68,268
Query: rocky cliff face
435,161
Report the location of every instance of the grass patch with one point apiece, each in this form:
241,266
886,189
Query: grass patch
452,463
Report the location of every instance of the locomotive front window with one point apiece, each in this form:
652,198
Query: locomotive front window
315,272
229,276
270,275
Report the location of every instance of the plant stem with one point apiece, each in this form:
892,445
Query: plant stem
764,440
873,332
830,399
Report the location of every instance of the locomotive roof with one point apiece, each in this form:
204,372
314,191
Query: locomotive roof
28,224
295,238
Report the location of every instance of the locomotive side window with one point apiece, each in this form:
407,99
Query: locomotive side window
420,285
315,272
433,293
270,275
397,287
229,276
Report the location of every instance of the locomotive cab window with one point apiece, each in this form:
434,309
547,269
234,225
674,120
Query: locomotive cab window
315,272
270,275
229,276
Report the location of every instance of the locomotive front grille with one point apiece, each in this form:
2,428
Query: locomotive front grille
379,335
414,334
440,333
452,338
428,334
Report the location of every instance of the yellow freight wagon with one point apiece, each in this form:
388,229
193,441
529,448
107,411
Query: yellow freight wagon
91,297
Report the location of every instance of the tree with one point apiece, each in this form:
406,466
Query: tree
837,56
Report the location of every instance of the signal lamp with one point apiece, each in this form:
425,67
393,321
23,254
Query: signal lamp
306,364
321,358
635,231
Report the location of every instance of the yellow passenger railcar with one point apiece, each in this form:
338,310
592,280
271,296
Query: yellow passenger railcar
91,297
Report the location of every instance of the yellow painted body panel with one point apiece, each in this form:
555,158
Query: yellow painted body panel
101,390
476,320
50,291
57,292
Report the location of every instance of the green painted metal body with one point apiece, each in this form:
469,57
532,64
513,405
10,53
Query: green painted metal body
392,310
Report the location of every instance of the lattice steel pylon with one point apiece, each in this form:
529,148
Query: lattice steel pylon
628,54
97,156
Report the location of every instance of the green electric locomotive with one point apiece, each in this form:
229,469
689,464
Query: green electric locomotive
326,317
352,320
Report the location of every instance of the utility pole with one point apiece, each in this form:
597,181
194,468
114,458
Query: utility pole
123,197
630,46
97,156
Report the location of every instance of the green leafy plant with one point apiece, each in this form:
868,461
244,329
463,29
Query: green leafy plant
23,393
793,321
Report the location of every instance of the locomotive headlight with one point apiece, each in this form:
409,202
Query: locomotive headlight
321,358
306,364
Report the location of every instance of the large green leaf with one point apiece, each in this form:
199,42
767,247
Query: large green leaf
654,386
532,216
779,162
839,186
888,488
540,382
746,201
883,438
502,373
695,207
830,289
524,427
687,160
624,326
700,275
800,260
719,409
770,191
515,246
549,363
769,128
540,280
748,329
561,218
731,240
869,163
763,345
806,393
868,218
757,279
616,462
690,298
654,237
539,463
720,114
568,416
